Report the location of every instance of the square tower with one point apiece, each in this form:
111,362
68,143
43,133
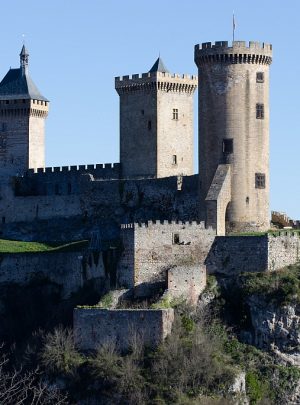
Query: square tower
23,111
156,123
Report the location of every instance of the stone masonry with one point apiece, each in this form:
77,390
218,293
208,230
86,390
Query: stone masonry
234,127
186,282
95,327
156,123
236,254
152,248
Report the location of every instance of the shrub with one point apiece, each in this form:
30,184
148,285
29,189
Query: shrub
59,354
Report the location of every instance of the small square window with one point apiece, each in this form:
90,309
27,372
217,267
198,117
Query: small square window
174,159
228,146
260,78
176,239
260,111
175,113
260,180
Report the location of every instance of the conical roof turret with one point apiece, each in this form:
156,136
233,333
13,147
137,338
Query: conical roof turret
159,66
17,84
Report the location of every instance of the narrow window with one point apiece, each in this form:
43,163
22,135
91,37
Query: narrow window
3,220
227,145
174,159
176,239
260,77
142,112
260,180
56,189
247,200
260,111
175,113
69,188
149,125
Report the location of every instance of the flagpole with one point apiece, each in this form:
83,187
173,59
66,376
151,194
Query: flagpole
233,26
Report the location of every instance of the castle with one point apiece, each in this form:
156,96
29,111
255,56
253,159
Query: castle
156,145
151,221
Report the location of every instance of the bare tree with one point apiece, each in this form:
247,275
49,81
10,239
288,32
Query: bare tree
18,387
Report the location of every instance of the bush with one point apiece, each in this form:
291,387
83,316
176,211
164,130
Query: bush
59,354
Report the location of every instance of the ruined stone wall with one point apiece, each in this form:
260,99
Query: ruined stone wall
70,270
237,254
95,327
151,249
186,282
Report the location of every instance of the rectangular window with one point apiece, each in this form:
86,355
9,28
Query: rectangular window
260,111
174,159
175,239
227,145
260,180
149,125
175,113
260,77
3,127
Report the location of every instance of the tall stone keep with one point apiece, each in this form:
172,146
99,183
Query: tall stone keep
22,121
156,123
234,134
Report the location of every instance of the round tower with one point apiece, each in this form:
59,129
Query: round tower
234,134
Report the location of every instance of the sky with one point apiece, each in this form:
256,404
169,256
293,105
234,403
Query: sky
77,47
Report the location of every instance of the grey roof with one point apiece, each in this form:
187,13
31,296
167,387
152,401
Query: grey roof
17,84
23,51
159,66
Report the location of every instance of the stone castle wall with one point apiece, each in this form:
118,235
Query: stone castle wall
151,249
186,282
237,254
70,270
94,327
117,201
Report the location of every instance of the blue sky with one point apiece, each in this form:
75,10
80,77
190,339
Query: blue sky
77,48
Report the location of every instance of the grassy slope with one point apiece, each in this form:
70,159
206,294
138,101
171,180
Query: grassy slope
13,246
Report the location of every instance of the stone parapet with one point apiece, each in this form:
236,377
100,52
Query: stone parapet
162,81
238,52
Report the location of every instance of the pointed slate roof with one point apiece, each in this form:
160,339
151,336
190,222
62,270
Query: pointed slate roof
17,84
159,66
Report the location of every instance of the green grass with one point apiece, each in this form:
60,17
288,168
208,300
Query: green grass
14,246
270,232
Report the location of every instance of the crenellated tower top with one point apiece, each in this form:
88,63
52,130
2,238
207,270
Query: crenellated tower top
238,52
158,78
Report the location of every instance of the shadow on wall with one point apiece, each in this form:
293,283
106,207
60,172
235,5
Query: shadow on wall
236,254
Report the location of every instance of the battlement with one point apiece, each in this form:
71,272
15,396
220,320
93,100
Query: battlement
163,81
100,169
236,52
159,223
